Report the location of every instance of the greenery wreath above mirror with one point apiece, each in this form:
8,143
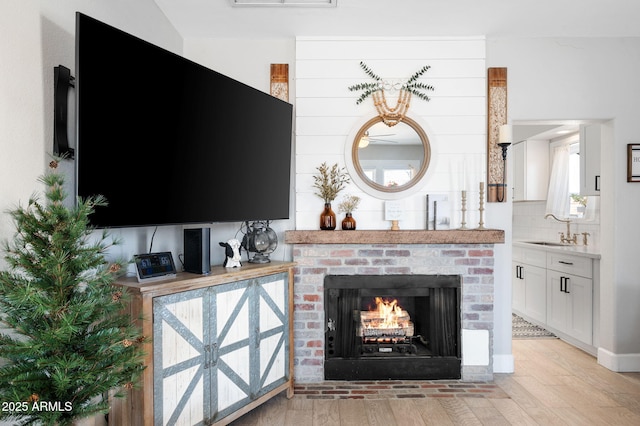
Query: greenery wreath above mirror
376,89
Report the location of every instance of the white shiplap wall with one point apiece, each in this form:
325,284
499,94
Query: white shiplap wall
326,112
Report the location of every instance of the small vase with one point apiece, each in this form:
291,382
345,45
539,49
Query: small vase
327,218
348,223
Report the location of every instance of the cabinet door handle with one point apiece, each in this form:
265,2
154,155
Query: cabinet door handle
564,262
597,185
207,356
566,285
214,354
561,284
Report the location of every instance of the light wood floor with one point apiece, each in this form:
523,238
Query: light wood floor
553,384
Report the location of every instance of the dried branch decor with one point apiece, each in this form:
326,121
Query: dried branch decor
330,181
376,89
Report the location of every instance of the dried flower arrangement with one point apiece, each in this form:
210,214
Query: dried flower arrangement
349,204
330,181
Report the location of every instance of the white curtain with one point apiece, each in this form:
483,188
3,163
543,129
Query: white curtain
593,209
558,195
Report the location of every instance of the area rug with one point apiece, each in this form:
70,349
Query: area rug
522,329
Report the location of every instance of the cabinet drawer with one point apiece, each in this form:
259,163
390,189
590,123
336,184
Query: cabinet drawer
534,257
575,265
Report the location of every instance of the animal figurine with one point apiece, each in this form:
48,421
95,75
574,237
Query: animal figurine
232,252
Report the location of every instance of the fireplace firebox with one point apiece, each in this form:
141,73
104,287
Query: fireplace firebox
385,327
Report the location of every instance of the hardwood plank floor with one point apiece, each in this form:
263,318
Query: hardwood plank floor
553,384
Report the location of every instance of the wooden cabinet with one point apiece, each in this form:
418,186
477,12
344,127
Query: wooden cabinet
529,288
590,142
530,170
221,345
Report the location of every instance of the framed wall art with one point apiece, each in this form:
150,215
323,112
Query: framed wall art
633,162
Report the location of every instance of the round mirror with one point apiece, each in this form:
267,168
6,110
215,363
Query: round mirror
388,161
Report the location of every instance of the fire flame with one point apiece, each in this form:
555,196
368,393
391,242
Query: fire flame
388,312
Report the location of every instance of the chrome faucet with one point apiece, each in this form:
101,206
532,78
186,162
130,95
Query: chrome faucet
572,239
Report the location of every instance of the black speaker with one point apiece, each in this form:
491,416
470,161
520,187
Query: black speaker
197,250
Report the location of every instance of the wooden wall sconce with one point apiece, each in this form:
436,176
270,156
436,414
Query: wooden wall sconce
496,117
280,81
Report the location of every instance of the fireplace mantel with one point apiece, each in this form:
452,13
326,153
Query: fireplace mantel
457,236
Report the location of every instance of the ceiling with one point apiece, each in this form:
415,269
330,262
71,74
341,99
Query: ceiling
408,18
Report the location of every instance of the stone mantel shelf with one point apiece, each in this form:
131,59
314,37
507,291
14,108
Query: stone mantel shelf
454,236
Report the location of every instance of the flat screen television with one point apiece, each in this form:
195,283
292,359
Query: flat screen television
168,141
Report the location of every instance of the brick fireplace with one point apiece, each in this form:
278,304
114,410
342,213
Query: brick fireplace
467,253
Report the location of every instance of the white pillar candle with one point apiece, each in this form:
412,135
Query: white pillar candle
506,134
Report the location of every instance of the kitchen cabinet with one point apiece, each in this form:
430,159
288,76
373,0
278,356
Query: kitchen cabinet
570,296
530,170
568,306
221,345
529,290
590,142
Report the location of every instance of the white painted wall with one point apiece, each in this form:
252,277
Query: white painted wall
455,119
591,78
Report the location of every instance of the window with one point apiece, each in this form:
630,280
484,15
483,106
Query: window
577,202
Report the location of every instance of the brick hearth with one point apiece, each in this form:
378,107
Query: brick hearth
398,389
360,252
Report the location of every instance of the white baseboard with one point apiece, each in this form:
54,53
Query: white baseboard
620,363
503,363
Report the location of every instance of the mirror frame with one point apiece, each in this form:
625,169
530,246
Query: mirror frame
373,188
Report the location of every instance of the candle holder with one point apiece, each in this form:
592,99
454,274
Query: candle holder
463,221
481,208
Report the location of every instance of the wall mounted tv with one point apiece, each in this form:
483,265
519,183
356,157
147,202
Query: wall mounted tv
168,141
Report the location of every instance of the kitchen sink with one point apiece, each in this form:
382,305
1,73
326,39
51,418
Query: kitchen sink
547,243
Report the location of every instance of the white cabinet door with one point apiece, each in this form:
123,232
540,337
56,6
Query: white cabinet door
570,305
529,291
517,289
219,348
231,346
557,301
580,317
273,342
519,171
530,170
251,342
535,292
590,142
180,356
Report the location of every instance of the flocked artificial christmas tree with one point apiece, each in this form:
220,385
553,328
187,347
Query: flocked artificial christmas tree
65,341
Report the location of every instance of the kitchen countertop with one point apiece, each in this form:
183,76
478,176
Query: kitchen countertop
578,250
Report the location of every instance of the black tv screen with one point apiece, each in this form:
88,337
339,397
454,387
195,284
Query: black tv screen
169,141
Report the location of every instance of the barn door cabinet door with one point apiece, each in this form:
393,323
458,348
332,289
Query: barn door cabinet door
219,348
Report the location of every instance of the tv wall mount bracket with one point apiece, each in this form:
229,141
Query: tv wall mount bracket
63,80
